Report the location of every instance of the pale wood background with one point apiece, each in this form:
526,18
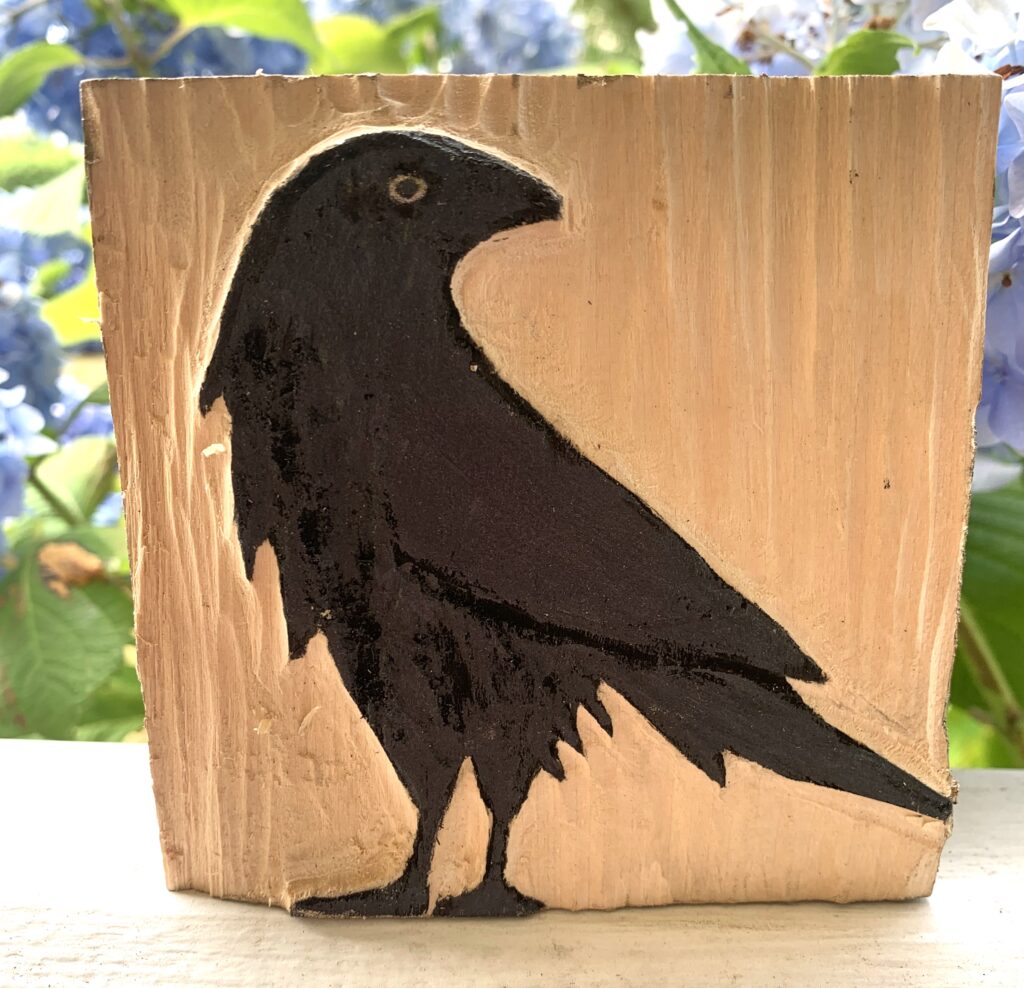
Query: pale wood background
762,313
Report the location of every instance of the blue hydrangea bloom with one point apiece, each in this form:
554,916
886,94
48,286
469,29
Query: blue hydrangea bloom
378,10
55,107
20,436
1001,412
213,52
29,352
13,474
92,419
23,254
743,29
515,36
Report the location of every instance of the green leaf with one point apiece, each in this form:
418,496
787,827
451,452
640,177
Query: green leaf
79,475
58,645
973,744
615,66
114,710
865,53
709,58
990,673
279,20
610,28
350,43
993,585
31,161
414,24
51,207
75,314
25,69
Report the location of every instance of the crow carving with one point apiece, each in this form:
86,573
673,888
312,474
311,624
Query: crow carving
475,576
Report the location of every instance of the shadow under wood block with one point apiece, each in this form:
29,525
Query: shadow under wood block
545,492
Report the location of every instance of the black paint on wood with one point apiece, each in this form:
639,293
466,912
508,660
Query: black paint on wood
475,576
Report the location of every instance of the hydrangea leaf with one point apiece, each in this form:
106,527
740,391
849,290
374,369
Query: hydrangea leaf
351,43
78,476
991,646
277,20
60,639
31,161
414,24
611,27
75,314
975,744
708,57
25,69
867,52
49,208
114,710
416,35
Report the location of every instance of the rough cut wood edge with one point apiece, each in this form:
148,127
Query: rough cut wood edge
836,227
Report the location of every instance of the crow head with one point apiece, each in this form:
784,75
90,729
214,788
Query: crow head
414,190
350,261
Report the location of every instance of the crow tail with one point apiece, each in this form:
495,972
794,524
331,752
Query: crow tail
761,718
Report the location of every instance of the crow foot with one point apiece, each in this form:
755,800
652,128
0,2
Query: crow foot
400,898
491,898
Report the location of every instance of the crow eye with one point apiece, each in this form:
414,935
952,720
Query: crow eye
405,189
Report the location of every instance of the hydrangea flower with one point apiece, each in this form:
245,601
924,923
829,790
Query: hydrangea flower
72,419
515,36
29,352
512,36
378,10
207,51
760,34
20,437
22,255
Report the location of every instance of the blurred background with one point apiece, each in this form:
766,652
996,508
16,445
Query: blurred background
66,649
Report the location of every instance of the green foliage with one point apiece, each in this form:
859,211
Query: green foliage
114,709
868,52
31,161
75,314
73,481
25,69
610,35
709,58
60,642
51,207
280,20
975,743
350,43
989,679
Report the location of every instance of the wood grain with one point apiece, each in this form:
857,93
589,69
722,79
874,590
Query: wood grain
763,314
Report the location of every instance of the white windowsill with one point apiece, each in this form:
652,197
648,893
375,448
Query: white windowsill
82,900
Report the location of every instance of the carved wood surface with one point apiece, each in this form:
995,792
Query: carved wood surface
761,314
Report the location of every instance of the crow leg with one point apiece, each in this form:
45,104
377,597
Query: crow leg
504,794
408,895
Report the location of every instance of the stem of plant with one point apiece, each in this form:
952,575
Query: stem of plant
784,48
137,58
1003,706
54,502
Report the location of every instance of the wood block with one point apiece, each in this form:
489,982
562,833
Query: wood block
545,491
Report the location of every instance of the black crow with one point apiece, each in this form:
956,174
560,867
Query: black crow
475,576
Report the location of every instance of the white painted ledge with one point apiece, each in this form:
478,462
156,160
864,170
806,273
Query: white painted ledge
82,901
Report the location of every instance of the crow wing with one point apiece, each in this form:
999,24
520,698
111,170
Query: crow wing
512,521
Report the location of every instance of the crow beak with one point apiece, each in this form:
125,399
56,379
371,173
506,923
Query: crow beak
542,203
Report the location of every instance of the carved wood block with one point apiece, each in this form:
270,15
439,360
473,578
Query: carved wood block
545,491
